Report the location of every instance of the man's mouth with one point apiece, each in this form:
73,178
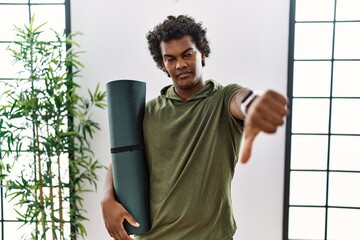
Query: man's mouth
185,72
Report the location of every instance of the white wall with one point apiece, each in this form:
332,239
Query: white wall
249,42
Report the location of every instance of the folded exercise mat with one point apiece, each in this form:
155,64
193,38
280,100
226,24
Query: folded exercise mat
126,103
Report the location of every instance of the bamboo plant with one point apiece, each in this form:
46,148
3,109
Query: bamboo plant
45,129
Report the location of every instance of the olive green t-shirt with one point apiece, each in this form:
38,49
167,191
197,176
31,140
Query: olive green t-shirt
192,147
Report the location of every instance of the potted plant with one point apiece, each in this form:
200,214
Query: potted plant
45,131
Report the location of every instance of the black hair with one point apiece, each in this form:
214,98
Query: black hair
176,27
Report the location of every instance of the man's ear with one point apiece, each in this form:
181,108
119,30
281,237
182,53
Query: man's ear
203,59
167,73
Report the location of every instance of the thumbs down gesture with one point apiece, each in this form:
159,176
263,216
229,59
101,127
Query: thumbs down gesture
265,113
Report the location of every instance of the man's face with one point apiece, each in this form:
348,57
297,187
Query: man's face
183,62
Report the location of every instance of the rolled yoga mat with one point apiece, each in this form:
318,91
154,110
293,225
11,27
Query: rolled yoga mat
126,103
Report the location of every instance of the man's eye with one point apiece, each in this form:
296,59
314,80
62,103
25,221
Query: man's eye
169,60
187,55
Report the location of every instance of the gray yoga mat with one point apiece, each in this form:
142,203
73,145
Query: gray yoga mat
126,103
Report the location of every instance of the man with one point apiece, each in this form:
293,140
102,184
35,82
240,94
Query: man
192,135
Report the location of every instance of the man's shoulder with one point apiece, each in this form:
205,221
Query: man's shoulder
221,86
154,103
224,89
151,102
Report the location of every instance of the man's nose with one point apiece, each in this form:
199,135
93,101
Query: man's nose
181,63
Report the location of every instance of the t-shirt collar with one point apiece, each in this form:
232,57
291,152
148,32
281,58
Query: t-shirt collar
210,87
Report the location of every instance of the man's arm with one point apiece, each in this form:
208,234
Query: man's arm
114,214
265,113
235,104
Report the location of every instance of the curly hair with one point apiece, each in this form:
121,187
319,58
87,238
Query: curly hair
176,27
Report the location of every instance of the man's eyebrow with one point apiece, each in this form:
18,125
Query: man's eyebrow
169,55
187,50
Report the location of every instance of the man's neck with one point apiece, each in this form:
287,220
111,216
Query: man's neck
186,93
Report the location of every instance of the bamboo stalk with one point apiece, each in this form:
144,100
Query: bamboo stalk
41,192
61,215
52,206
51,191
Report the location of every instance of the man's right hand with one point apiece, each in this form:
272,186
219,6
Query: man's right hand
114,213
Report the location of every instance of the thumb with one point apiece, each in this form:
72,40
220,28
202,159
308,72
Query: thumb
250,133
131,220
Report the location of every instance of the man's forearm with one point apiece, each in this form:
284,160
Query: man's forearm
109,184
